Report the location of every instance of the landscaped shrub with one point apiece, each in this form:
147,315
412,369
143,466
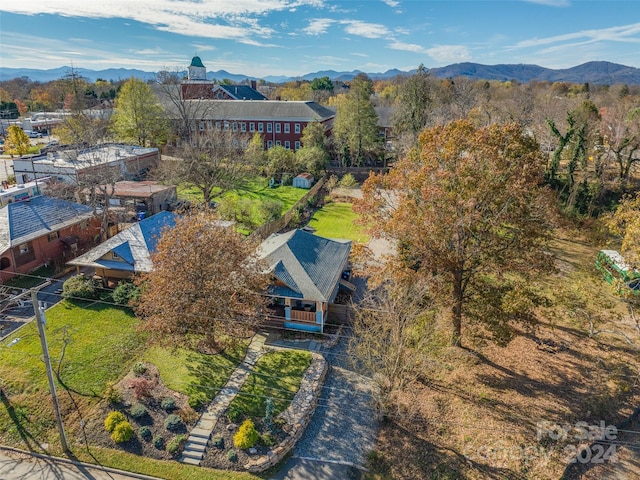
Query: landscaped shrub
112,394
234,415
348,181
232,456
113,419
145,432
246,436
139,368
176,444
126,293
268,414
158,442
198,400
331,183
172,422
168,404
122,433
218,442
267,440
138,411
79,286
141,387
188,414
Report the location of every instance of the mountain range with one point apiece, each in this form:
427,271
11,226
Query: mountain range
604,73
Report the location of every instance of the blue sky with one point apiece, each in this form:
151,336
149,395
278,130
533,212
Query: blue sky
294,37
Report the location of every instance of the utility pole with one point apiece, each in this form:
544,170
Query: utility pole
40,318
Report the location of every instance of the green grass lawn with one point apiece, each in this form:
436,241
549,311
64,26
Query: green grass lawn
276,375
338,220
189,372
100,343
33,278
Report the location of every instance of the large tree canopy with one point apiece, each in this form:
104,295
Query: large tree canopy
206,284
468,212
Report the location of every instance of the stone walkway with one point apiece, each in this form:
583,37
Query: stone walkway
199,437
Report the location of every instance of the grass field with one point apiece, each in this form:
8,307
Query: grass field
338,220
276,375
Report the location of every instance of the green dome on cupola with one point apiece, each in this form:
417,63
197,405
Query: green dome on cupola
196,62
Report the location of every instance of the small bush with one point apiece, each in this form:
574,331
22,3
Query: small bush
158,442
168,404
348,181
139,369
188,414
270,210
126,293
198,400
122,433
176,444
234,415
145,432
331,183
172,422
267,440
80,286
138,411
112,395
141,387
113,419
328,199
218,442
246,436
232,456
287,179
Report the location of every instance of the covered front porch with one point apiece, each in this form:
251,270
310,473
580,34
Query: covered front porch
305,315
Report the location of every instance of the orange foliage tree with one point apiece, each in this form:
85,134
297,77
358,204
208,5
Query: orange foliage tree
468,213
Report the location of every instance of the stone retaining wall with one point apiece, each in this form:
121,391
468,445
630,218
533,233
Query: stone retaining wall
297,416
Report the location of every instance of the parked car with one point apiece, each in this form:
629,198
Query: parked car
32,134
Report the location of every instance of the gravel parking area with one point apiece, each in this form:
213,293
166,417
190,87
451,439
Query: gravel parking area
343,429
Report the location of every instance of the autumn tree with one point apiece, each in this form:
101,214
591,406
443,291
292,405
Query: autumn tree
17,142
625,224
139,118
413,105
467,212
355,129
206,285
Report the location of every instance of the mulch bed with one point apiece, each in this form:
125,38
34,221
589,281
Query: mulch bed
154,420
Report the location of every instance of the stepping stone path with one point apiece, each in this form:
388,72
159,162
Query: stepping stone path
199,437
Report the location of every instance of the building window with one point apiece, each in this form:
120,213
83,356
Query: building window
243,127
269,144
252,127
269,127
260,127
235,126
278,142
114,255
287,144
277,128
235,143
53,236
209,124
296,128
24,248
201,125
244,143
286,128
218,125
297,145
226,126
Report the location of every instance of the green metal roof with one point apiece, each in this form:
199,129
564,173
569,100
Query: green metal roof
196,62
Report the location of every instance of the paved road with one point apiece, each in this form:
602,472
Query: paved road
18,466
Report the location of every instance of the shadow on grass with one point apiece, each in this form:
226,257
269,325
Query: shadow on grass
19,419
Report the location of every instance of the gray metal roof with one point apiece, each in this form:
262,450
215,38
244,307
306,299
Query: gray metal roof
242,92
134,246
23,221
310,266
256,110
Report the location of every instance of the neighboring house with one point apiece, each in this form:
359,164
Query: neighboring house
72,166
278,122
304,180
307,271
128,252
144,198
385,126
18,193
42,230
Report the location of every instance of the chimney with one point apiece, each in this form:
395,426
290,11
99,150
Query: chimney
254,84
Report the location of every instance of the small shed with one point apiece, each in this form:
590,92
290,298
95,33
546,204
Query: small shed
304,180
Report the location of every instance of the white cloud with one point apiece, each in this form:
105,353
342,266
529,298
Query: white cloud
364,29
624,33
449,53
407,47
318,26
201,47
392,3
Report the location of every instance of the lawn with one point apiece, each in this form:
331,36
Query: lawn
33,278
100,342
338,220
190,372
264,382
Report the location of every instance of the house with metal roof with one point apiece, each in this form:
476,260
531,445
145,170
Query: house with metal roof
42,230
128,252
307,272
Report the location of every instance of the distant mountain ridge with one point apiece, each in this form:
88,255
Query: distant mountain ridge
600,72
